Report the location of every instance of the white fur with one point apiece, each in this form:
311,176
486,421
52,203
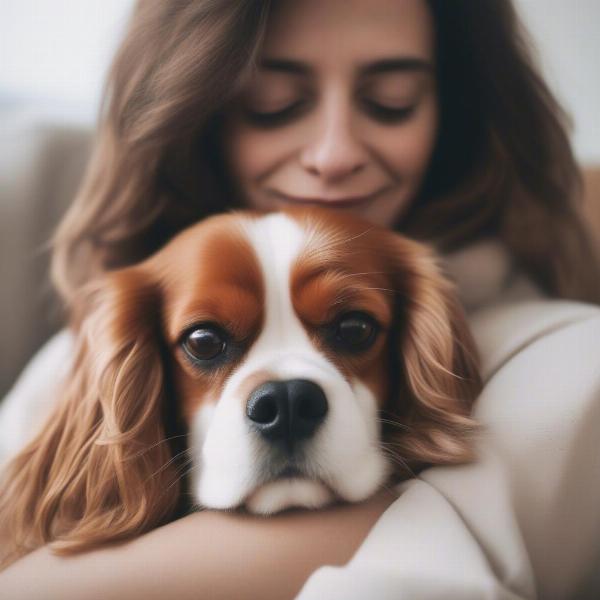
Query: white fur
343,456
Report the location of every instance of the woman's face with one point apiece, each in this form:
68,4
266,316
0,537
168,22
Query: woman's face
342,110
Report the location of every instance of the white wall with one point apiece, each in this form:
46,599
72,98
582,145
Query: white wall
567,34
57,52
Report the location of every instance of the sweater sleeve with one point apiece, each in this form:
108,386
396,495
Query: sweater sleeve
32,396
522,521
430,545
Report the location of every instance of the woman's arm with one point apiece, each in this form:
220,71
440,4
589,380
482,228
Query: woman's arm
214,555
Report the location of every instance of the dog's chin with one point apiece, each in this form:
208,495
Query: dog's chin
279,495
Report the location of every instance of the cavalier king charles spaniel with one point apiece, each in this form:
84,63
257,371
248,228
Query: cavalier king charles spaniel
258,361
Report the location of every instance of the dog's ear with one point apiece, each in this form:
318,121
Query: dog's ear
439,376
100,469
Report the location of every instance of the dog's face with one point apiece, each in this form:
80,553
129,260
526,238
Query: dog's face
308,357
284,333
279,337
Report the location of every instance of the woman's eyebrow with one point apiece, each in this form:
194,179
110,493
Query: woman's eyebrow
284,65
402,64
383,65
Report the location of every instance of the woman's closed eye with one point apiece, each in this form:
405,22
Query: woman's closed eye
389,114
274,117
283,116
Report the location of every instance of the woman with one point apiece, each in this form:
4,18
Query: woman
423,116
483,128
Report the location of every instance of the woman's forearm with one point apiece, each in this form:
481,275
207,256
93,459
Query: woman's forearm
204,555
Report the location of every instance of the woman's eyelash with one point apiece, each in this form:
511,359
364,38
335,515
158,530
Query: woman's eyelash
388,114
381,113
275,118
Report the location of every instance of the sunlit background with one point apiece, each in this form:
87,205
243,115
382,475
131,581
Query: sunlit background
54,53
53,58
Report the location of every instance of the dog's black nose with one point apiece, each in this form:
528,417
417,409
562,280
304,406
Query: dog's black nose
287,411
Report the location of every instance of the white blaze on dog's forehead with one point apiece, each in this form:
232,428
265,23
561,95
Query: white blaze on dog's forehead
283,347
277,240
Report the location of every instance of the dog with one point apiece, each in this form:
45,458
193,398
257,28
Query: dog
259,361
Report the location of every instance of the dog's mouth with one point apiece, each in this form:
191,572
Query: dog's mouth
291,487
290,472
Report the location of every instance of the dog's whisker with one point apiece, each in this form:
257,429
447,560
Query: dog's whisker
179,478
191,467
171,461
185,464
389,488
182,473
387,411
395,458
395,424
347,275
358,287
163,441
321,248
379,289
339,242
340,300
393,445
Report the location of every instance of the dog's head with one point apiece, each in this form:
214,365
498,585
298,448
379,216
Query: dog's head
307,356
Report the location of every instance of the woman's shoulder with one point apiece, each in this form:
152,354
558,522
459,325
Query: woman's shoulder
33,394
485,274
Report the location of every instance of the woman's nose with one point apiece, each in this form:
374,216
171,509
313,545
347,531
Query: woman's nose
334,151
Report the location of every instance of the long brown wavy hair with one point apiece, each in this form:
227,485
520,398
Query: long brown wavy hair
502,165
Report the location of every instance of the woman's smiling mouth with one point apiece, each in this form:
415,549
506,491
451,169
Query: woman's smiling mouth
335,202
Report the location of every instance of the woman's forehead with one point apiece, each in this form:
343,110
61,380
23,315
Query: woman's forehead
350,33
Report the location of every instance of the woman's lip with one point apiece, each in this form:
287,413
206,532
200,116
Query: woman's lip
334,202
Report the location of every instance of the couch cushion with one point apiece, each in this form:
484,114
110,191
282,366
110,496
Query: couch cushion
41,164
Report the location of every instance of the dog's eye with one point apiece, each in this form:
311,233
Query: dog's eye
356,331
204,343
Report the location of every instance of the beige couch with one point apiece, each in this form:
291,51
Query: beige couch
41,164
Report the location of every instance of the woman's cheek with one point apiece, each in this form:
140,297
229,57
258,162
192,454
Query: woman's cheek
254,154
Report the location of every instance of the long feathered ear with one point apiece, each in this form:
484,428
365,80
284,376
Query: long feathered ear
100,469
438,377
